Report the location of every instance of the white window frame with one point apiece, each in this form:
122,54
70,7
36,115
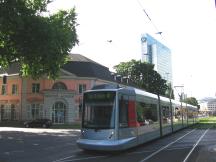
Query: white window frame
81,88
34,111
35,87
14,89
4,90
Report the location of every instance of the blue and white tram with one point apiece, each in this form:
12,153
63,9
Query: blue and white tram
118,118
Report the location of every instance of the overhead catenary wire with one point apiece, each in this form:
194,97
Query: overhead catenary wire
143,9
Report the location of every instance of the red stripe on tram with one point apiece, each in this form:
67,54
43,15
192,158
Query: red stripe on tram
132,114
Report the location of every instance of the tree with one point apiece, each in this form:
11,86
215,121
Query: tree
191,100
157,85
40,44
143,75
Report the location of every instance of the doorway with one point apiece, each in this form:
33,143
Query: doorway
59,113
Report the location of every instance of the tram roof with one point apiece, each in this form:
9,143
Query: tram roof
136,91
131,90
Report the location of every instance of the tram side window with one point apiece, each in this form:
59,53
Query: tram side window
123,112
184,111
190,114
176,114
166,114
146,113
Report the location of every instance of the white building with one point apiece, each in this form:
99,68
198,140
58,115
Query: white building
203,106
208,105
212,106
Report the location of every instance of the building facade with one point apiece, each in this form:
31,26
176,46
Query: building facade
156,53
203,106
208,105
211,106
59,100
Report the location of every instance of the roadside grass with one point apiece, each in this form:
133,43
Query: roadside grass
205,123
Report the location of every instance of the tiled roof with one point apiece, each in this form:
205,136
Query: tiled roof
13,69
80,58
84,67
79,65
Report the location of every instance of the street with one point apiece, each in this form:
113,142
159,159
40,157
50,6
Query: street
31,145
58,145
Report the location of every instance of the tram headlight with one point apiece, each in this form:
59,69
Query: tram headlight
111,135
82,132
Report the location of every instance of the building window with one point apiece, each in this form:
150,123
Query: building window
14,89
5,112
4,90
2,112
82,88
59,86
35,88
13,112
35,111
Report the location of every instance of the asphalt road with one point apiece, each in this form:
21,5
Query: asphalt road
49,145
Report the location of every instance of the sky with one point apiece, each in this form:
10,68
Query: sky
188,28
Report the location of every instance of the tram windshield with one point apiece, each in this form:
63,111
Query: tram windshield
99,110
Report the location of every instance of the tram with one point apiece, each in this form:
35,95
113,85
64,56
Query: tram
118,118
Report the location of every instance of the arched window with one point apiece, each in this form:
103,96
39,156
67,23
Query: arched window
59,86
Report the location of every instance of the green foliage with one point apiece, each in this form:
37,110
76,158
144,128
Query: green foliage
143,75
206,123
40,44
191,101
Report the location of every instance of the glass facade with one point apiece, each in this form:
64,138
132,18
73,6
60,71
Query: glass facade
158,54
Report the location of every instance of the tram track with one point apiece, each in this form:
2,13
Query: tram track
109,157
195,145
184,145
164,147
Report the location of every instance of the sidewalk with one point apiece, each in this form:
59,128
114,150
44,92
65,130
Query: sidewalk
38,130
19,124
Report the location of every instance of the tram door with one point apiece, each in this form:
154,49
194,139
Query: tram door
127,117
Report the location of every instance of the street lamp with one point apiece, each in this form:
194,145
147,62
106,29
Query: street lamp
180,96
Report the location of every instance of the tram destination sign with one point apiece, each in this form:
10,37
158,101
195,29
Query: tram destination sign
99,96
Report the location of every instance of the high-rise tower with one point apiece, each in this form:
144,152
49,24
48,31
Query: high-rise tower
156,53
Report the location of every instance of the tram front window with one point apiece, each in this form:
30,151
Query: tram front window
99,110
